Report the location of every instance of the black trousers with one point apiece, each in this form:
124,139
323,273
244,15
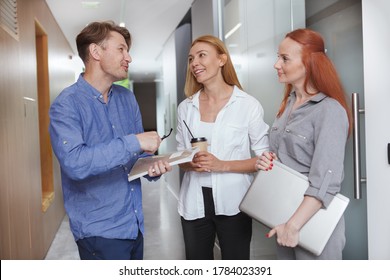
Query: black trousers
234,233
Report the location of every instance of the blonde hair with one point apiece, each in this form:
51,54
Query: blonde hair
228,72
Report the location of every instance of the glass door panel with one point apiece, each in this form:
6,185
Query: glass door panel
340,23
252,30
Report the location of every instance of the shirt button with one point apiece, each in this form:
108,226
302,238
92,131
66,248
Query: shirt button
113,126
65,142
135,211
132,189
135,154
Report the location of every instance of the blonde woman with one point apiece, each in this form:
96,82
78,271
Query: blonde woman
216,180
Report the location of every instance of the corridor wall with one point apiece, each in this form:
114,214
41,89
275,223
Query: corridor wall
26,232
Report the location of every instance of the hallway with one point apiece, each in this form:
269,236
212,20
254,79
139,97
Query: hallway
163,235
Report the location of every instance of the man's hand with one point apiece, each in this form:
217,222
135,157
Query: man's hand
158,168
149,141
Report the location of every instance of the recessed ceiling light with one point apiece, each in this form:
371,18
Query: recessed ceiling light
90,4
234,29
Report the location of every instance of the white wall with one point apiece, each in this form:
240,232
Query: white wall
376,45
204,15
171,92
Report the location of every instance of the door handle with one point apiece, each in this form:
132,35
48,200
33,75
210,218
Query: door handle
358,180
388,153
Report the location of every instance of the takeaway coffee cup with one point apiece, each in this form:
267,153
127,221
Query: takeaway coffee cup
200,142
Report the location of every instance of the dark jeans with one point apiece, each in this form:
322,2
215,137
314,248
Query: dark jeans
234,233
99,248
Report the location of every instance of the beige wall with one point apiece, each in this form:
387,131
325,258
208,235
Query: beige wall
25,231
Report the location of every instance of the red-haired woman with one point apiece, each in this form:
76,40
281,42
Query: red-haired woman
309,135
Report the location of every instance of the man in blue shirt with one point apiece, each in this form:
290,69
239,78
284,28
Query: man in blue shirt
97,135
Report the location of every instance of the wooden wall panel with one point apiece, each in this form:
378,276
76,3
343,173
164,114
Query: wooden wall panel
4,167
17,212
25,231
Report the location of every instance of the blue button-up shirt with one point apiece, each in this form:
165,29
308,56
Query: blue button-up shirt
96,146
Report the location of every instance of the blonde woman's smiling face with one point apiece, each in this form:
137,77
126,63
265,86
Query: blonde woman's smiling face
205,63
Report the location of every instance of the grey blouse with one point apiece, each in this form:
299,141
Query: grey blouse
311,140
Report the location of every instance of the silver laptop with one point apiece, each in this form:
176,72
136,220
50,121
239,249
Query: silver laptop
274,196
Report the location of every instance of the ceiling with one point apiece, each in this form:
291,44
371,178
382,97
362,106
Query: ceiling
150,23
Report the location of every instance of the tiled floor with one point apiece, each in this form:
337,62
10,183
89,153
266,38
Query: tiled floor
63,246
163,235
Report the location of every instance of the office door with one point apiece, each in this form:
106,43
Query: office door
358,47
340,23
252,30
376,44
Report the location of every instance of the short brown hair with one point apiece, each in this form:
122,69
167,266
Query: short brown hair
96,33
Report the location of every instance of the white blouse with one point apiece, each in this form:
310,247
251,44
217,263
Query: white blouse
238,129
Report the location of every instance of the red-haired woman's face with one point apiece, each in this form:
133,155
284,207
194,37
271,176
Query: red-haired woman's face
289,64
